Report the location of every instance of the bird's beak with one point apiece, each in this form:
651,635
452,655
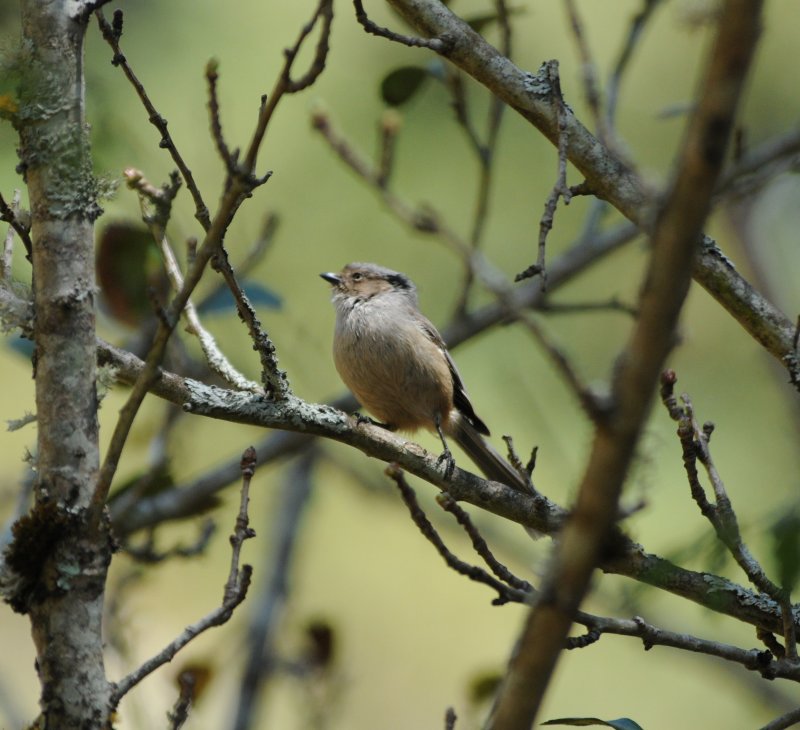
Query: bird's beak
332,279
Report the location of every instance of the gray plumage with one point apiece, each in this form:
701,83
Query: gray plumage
396,364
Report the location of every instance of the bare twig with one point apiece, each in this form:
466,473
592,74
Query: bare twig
320,54
112,35
784,721
274,379
389,129
606,175
447,503
591,87
261,245
212,76
215,358
560,188
285,84
436,44
630,559
179,714
674,247
458,91
638,25
613,304
266,612
721,515
516,462
485,153
148,554
505,593
753,659
590,402
759,164
234,593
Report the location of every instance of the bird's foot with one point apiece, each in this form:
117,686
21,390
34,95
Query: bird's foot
362,419
449,462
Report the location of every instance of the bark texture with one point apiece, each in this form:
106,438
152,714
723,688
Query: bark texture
61,550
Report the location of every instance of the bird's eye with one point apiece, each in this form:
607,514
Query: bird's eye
357,276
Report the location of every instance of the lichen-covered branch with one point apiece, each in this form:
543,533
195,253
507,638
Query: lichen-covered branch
58,557
678,224
607,177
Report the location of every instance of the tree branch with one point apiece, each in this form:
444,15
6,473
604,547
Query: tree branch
584,539
234,592
609,178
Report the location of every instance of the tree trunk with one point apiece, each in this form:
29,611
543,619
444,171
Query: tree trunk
62,549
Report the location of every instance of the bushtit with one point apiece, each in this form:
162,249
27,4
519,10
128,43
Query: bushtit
397,365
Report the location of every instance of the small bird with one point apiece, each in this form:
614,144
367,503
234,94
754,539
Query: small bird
397,365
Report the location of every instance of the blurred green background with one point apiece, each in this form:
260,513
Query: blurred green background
411,636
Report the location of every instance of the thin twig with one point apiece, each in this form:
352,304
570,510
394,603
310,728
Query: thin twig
674,245
458,92
389,129
638,24
753,659
759,164
215,358
560,188
447,503
505,593
589,70
485,153
238,187
274,379
591,403
285,84
720,513
148,554
317,65
612,305
112,36
261,245
212,76
234,593
784,721
267,607
179,714
439,45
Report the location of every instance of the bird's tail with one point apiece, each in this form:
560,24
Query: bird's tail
490,462
486,458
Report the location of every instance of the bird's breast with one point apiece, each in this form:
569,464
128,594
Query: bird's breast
393,368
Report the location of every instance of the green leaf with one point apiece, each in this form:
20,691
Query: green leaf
622,723
401,84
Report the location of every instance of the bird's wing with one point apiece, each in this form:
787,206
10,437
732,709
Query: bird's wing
460,397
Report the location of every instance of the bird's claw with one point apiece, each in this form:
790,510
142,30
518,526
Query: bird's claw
449,463
361,419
